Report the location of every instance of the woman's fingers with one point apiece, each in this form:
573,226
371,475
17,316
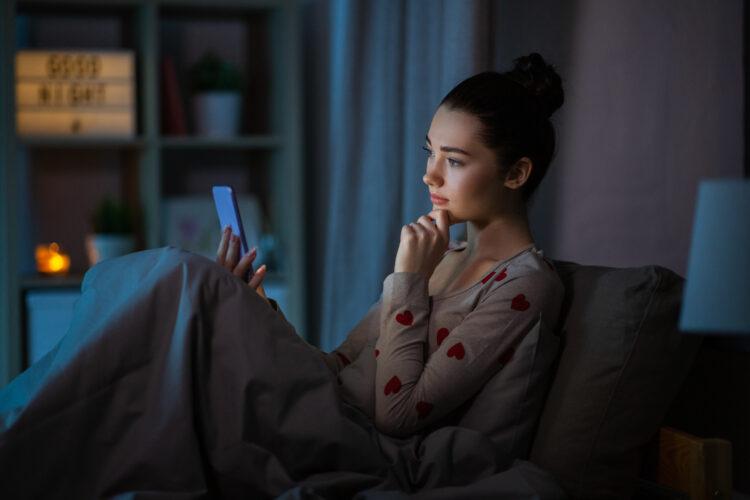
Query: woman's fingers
409,234
413,231
417,227
227,255
245,263
423,219
257,278
221,252
442,222
233,254
427,223
425,227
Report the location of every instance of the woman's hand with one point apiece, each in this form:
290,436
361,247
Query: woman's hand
423,244
228,256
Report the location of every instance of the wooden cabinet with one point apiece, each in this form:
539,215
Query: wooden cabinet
49,186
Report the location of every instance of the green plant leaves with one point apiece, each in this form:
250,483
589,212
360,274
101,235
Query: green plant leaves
112,217
211,73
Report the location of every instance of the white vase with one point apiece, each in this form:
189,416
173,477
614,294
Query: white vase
217,114
100,247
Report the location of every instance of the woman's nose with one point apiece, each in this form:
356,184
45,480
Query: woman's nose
431,177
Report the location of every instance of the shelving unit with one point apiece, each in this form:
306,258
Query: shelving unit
251,142
49,185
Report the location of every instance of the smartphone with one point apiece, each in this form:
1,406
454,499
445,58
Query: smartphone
229,215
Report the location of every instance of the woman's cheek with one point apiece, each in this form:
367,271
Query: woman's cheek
456,211
454,218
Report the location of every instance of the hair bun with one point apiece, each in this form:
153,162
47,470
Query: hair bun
541,79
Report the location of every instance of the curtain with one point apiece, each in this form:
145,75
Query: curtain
375,73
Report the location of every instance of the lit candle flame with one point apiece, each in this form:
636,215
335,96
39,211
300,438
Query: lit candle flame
50,260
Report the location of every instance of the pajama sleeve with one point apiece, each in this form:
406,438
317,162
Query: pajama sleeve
411,394
355,340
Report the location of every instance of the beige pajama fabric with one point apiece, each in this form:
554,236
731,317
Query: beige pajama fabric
414,358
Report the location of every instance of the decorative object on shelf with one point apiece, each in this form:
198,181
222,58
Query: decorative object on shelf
50,260
717,295
217,96
113,232
190,223
65,93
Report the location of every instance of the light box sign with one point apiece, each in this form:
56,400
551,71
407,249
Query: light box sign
75,93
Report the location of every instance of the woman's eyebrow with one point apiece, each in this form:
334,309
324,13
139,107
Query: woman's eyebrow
448,149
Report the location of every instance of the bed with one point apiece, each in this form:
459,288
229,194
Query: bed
160,390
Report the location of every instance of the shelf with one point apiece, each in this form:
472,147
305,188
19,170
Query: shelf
36,281
242,142
54,183
217,5
82,142
98,4
47,4
76,6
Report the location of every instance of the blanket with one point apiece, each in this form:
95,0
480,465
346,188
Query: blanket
176,380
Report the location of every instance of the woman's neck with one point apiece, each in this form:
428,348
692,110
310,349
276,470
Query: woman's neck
500,238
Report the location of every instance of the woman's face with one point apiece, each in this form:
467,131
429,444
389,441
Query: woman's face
461,169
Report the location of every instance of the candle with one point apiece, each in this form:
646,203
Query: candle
50,260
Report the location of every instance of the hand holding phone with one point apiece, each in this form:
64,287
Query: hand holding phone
229,217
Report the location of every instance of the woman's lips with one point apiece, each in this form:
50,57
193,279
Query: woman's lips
438,200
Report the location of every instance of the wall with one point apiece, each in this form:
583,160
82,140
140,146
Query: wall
654,102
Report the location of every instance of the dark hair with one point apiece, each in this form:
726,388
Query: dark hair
514,108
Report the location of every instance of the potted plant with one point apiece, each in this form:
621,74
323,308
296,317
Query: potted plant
113,232
216,86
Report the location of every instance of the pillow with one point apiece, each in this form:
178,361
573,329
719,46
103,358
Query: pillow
508,406
622,363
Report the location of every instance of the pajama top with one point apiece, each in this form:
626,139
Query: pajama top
414,358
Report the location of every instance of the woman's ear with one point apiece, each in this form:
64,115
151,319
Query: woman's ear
519,173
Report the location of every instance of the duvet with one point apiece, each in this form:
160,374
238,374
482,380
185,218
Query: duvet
175,380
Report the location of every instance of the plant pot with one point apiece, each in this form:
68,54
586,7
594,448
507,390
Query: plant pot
100,247
217,114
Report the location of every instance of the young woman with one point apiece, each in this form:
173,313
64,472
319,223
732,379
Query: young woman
177,380
449,319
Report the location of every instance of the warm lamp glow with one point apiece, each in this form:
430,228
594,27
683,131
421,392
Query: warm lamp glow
49,259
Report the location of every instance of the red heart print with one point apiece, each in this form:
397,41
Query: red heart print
377,353
393,385
441,334
405,318
343,358
502,275
507,356
520,303
488,277
423,409
457,351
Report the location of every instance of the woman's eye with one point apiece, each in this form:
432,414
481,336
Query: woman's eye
454,163
429,151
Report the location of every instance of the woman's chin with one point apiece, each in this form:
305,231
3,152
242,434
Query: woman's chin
452,219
